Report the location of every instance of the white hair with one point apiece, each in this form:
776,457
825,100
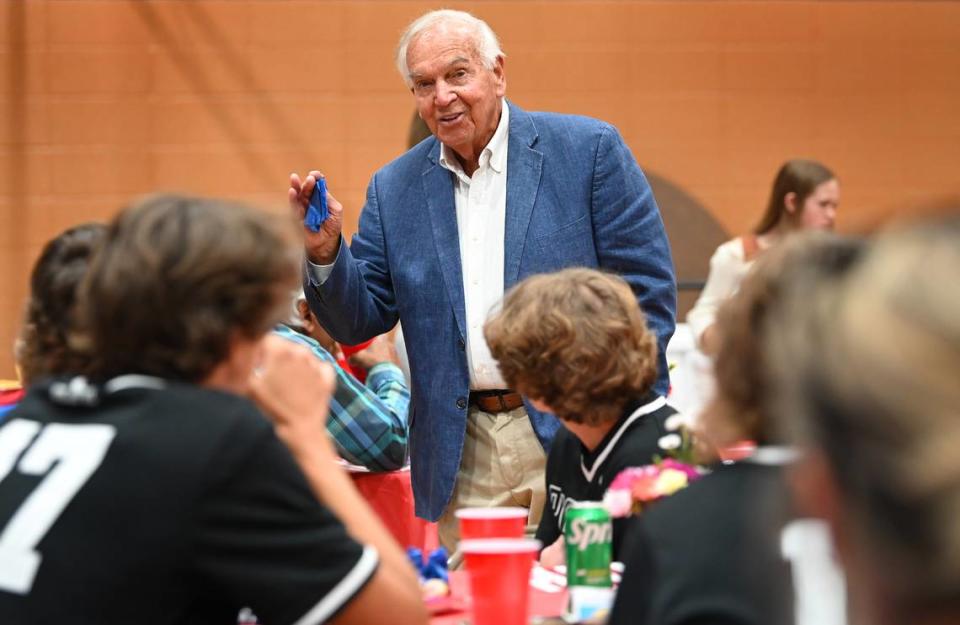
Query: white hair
484,39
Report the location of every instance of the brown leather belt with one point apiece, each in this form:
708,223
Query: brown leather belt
496,401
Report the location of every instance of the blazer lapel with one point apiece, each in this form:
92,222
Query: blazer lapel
524,167
438,192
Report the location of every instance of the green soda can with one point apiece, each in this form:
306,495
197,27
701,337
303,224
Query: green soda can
588,535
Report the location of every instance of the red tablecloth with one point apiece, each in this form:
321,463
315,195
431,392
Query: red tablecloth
542,604
10,394
391,497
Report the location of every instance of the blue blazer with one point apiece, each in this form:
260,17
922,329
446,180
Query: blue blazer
575,197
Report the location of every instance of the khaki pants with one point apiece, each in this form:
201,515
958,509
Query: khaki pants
502,465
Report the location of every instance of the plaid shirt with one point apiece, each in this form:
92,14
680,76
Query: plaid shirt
368,422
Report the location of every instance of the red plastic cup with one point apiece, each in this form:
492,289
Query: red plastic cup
492,522
499,570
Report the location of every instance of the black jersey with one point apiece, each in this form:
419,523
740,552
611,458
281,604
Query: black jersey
728,550
149,502
575,474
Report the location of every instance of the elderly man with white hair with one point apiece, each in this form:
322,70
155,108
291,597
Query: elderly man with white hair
496,194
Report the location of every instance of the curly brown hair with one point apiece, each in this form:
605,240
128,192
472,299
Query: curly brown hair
577,341
48,340
179,277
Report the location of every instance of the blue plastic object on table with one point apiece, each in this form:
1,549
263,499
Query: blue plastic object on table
434,568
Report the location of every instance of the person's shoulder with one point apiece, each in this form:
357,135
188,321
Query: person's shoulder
565,444
664,411
732,249
191,413
724,496
704,530
174,421
286,332
411,162
133,393
578,125
203,418
216,403
225,429
654,410
564,452
570,134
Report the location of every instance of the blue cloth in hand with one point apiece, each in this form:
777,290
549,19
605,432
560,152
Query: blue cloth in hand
317,208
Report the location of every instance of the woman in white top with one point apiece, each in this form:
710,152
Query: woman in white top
805,195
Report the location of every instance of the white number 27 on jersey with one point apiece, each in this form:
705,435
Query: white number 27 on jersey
74,452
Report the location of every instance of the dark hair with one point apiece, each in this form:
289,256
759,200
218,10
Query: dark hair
177,278
742,376
48,341
797,176
576,340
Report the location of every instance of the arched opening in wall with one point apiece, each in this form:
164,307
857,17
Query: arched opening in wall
694,235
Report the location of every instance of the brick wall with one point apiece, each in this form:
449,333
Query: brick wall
104,100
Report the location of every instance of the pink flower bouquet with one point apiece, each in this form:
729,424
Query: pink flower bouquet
636,487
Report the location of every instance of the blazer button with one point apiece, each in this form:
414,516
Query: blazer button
461,344
461,402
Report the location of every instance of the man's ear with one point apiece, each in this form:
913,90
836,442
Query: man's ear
500,73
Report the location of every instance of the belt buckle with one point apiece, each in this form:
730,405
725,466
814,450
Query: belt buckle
493,401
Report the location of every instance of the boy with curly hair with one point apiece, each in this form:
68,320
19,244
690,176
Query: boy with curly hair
576,344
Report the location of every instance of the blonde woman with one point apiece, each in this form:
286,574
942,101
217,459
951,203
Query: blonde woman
869,383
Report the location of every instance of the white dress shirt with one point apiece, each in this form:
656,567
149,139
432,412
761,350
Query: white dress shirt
481,202
481,205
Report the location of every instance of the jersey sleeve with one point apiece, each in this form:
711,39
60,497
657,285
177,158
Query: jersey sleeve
549,529
266,543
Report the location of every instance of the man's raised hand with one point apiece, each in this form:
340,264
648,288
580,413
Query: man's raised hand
321,246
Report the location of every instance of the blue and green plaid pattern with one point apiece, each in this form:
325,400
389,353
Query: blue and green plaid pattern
368,422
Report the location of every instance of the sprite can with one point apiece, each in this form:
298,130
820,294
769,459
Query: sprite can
588,536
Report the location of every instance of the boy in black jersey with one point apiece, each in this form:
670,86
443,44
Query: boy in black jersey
152,491
576,344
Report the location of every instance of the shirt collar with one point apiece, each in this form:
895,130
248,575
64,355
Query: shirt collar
494,154
651,402
773,455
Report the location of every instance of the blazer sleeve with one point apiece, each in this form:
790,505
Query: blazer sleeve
631,240
357,302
